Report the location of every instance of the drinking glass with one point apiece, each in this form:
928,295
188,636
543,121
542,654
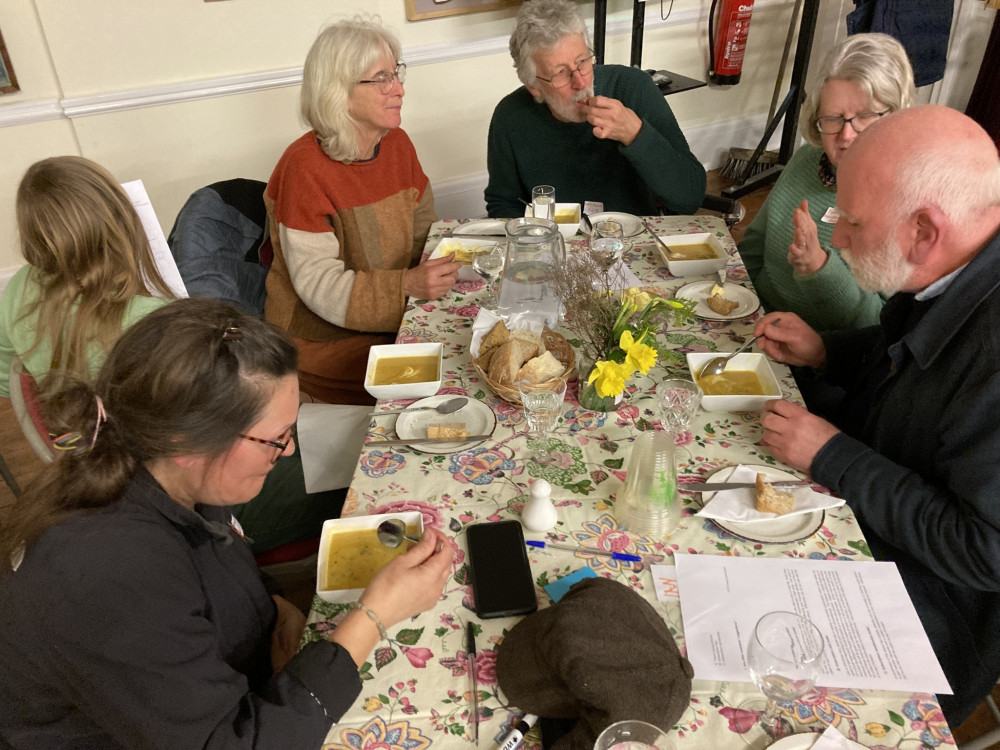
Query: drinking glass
607,243
633,735
679,400
542,404
487,261
784,657
543,202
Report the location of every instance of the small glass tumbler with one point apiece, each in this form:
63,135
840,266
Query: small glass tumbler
543,202
679,400
632,734
542,405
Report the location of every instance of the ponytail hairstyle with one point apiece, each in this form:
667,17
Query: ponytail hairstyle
188,379
90,256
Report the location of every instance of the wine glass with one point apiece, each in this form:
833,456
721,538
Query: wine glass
542,404
607,243
632,734
784,657
487,261
679,400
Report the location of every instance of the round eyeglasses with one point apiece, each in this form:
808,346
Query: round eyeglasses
563,78
833,125
384,79
280,445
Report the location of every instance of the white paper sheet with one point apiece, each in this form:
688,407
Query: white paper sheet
330,439
158,243
872,635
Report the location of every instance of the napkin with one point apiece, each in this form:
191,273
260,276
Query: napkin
831,739
738,505
485,321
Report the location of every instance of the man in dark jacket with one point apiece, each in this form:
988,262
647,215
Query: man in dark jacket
916,443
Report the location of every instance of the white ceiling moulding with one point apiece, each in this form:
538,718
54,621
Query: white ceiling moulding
25,113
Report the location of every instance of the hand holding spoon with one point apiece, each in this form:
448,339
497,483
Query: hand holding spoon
718,365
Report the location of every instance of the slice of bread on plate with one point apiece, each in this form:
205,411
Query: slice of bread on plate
771,500
447,430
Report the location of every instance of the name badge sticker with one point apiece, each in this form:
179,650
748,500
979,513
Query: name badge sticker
831,216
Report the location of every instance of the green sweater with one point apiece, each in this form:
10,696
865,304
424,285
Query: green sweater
527,146
829,299
17,334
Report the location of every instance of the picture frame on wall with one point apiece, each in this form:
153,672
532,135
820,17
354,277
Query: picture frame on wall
8,81
417,10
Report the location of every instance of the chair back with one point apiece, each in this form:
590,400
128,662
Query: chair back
28,410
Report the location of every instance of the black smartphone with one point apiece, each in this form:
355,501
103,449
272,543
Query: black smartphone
501,574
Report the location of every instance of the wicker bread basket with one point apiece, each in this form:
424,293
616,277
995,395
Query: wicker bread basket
555,343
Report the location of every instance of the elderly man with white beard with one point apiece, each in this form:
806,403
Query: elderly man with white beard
915,450
596,133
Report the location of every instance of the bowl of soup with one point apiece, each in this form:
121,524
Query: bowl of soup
350,553
403,370
747,382
698,254
566,216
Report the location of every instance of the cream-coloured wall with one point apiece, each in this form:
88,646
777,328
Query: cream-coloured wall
73,50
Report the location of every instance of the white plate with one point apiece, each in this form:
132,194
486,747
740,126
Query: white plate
779,531
478,417
481,226
804,741
631,225
467,244
747,301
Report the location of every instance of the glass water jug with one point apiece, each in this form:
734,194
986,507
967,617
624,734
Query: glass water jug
536,251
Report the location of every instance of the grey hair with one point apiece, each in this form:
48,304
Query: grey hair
959,179
540,25
876,62
341,55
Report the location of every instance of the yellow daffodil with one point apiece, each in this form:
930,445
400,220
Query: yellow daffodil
608,378
635,298
638,356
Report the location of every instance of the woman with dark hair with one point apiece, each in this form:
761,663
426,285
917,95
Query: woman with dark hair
132,614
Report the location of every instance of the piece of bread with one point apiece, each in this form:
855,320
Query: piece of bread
483,360
721,305
498,335
540,369
508,359
447,430
532,338
771,500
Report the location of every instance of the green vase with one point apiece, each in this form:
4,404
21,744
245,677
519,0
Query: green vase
590,399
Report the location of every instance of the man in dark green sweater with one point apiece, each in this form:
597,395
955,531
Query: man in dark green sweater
596,133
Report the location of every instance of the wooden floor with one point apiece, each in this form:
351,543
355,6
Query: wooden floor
25,465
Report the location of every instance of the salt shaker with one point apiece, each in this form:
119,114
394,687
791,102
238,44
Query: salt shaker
539,513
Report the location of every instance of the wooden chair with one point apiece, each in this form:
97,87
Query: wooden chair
28,410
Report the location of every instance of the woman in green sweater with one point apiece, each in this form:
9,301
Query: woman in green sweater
787,249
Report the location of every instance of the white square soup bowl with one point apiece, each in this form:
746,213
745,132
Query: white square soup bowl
403,390
567,218
328,540
694,267
737,402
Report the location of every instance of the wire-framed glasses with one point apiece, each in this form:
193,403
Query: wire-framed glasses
833,125
280,445
561,79
384,79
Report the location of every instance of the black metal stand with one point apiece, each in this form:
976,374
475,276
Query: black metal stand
789,110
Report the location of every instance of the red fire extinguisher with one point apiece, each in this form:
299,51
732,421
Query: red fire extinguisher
729,40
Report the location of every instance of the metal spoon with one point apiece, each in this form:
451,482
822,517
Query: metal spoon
718,365
392,532
445,407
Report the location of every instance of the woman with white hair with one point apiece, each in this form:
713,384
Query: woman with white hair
787,249
349,209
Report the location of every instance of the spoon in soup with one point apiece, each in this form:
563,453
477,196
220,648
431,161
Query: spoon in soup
392,532
717,365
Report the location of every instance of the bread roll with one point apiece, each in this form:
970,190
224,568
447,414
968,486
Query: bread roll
770,500
531,338
540,369
508,359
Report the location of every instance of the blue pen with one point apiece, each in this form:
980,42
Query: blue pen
513,740
588,550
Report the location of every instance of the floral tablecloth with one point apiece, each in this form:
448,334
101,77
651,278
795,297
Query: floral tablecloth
417,688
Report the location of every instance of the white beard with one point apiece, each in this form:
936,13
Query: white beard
569,112
882,269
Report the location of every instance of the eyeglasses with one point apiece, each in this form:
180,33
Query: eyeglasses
384,80
280,445
584,67
833,125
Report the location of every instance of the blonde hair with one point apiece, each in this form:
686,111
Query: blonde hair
337,60
540,25
876,62
86,243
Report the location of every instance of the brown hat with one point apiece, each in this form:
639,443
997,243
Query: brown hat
601,654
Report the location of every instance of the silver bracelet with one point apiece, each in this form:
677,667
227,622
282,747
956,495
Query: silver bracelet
374,618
